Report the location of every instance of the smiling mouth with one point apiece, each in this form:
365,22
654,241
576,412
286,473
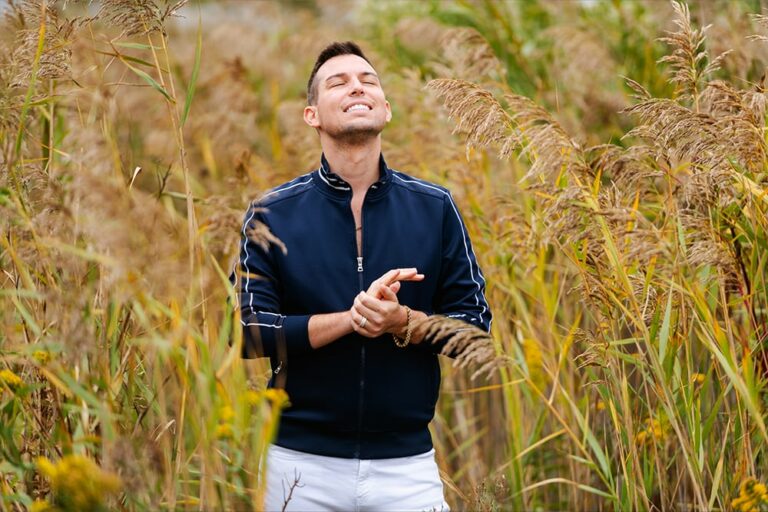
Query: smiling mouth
358,107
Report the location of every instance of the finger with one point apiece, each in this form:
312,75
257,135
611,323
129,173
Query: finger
373,303
357,319
373,319
367,301
374,289
399,274
373,315
388,294
393,276
389,277
402,274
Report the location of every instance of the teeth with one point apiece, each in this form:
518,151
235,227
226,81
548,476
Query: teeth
357,107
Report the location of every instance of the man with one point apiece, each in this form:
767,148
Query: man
334,305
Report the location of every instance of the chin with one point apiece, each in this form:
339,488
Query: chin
356,134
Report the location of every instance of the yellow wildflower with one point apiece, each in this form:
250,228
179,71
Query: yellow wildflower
78,483
278,397
41,506
253,397
751,494
10,379
600,405
652,432
41,356
226,413
224,431
698,378
534,362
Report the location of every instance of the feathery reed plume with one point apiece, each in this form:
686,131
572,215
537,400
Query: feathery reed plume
705,246
55,60
469,55
513,230
762,21
631,169
529,128
260,234
645,295
710,144
469,344
637,238
545,142
10,106
478,114
689,60
591,348
139,16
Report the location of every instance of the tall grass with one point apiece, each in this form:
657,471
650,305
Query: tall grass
614,186
647,300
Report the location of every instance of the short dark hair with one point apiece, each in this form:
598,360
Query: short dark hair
332,50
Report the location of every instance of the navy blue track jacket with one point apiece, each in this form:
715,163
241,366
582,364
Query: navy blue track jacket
356,397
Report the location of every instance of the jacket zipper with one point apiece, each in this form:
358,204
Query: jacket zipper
362,345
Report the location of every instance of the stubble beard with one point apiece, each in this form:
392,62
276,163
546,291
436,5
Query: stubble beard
356,135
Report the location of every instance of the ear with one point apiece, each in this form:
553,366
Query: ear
389,111
310,116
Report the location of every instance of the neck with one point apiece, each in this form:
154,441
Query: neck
357,164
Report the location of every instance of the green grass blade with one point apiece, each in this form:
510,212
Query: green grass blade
195,71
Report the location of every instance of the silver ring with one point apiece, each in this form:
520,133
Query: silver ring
363,322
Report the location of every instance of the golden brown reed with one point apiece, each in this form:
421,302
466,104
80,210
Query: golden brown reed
594,253
138,16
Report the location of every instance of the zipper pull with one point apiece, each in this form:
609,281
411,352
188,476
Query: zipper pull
359,263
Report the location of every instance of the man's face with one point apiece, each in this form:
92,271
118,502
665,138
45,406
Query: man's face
351,105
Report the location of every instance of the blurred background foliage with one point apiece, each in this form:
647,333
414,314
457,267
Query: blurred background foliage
630,318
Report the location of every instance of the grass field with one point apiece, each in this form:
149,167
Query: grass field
609,158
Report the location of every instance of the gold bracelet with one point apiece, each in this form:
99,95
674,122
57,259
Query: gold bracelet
403,342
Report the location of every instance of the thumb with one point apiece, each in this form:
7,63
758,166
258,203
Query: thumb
395,287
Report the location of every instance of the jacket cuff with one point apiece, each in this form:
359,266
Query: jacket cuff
297,331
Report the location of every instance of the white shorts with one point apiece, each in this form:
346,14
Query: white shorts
331,483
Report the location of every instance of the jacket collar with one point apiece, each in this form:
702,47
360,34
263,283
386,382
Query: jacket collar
333,184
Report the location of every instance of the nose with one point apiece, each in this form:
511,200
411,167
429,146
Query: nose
356,87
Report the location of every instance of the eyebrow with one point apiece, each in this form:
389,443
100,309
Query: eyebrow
344,75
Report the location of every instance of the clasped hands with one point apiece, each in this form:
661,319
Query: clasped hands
377,311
